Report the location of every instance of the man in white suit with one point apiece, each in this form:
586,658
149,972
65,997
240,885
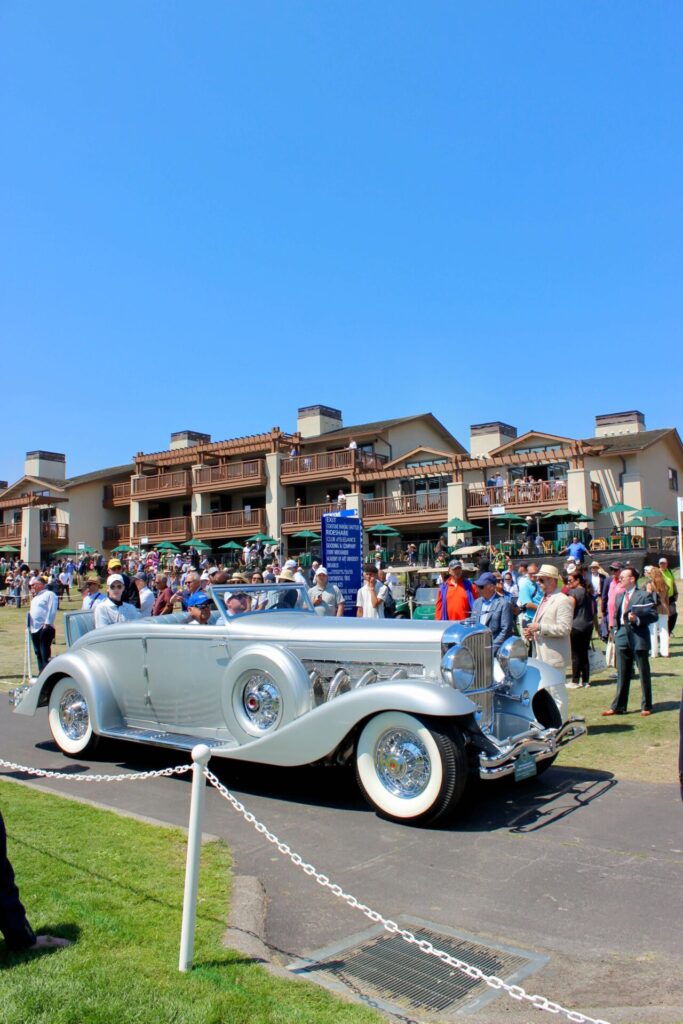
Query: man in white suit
552,624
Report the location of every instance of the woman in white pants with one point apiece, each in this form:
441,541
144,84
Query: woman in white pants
659,630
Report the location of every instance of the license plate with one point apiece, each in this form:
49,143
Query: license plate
525,766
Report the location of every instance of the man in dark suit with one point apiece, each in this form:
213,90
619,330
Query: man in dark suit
493,611
633,612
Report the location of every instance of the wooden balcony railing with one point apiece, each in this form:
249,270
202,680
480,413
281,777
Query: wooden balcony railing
231,474
53,532
10,532
546,494
299,517
114,535
162,485
116,494
330,464
407,507
231,524
176,528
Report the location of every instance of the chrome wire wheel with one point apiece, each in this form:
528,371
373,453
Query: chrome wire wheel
409,768
69,718
402,763
74,717
261,700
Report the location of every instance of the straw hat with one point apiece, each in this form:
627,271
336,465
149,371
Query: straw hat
548,570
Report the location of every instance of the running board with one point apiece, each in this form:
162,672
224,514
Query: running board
179,741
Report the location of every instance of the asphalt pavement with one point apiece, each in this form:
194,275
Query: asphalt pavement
576,865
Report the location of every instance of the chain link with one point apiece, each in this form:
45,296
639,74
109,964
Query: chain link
178,770
514,991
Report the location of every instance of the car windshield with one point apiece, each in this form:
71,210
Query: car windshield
253,599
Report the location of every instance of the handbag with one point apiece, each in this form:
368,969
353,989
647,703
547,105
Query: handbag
597,662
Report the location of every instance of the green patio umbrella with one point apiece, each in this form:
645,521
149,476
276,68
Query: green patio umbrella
260,537
583,518
460,525
648,513
67,551
666,524
167,545
510,517
562,514
198,545
119,549
307,535
618,507
8,549
232,545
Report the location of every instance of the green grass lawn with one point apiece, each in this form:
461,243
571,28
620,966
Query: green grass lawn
115,886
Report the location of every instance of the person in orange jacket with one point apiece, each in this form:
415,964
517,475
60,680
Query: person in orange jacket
456,595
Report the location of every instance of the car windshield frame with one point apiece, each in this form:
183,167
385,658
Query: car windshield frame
271,593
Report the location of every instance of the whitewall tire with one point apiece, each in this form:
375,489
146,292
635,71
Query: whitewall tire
409,768
69,718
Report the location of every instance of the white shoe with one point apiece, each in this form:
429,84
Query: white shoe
573,686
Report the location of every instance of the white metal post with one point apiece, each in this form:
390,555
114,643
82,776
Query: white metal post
200,757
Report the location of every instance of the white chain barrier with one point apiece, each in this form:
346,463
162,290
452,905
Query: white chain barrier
189,906
515,991
133,776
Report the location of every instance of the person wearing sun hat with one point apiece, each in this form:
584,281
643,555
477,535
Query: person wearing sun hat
552,624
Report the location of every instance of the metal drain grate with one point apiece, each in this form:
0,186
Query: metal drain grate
385,971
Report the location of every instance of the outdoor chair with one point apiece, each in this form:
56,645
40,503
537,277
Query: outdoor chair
599,544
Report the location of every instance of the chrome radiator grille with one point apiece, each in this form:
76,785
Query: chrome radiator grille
480,647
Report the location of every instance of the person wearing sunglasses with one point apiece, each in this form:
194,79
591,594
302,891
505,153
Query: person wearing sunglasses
114,609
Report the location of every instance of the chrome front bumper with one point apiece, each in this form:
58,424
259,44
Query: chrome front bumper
537,744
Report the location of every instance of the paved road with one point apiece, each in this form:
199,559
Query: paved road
576,865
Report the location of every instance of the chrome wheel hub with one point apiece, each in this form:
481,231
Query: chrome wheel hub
402,763
73,715
261,700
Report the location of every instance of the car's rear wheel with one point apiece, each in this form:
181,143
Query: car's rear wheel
69,718
409,768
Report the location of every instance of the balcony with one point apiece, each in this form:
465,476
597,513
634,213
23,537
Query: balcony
115,535
230,524
10,533
53,533
230,476
177,528
407,509
161,485
116,495
525,498
329,465
301,517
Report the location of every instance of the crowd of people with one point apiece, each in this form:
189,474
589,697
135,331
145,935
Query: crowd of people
558,613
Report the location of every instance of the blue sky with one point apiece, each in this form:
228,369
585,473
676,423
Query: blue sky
215,213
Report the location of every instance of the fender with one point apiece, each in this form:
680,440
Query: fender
538,676
90,672
318,733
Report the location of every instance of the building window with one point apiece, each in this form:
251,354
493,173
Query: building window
673,479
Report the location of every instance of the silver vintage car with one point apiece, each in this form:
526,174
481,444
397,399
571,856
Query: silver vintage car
416,707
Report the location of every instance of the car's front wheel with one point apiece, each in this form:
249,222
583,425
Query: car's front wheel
69,719
411,769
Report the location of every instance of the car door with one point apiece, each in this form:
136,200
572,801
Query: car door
185,665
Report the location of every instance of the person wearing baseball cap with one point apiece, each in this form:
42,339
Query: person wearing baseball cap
130,591
493,611
552,624
456,596
327,598
114,609
199,608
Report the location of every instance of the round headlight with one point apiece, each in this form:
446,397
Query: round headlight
513,656
457,668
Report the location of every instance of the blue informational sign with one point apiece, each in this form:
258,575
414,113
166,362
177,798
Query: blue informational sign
342,553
